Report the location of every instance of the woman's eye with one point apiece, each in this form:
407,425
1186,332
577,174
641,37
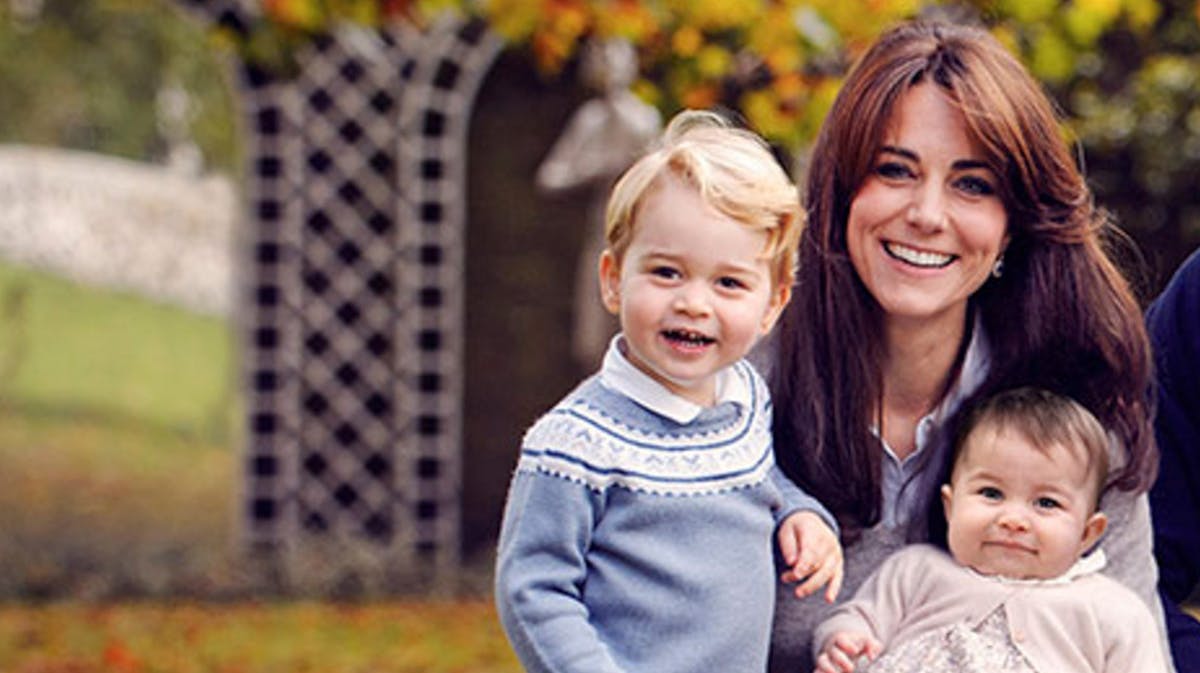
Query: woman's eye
893,170
975,186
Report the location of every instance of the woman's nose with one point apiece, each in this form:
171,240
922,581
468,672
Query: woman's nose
928,208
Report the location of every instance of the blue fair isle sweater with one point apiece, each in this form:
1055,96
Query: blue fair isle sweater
632,542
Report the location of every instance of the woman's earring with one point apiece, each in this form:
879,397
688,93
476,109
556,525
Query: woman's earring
998,267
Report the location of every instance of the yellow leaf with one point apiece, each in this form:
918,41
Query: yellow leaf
1052,59
686,41
713,61
302,14
1029,11
784,58
1086,20
1142,14
516,20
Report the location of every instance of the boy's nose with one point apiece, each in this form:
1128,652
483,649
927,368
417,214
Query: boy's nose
692,299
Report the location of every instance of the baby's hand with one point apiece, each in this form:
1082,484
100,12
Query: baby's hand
843,649
812,553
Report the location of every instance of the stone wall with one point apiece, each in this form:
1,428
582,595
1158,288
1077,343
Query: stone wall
120,224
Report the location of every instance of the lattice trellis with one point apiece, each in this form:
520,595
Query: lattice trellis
354,347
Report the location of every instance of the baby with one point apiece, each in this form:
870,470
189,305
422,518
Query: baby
1018,592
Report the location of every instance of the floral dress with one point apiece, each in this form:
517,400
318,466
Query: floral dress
959,648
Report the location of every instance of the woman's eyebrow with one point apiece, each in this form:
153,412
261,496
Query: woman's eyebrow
892,149
961,164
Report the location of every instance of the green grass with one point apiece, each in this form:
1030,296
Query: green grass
117,434
66,349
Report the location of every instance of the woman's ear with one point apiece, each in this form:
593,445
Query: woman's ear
610,281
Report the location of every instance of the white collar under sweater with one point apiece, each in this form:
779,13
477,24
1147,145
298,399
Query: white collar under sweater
620,375
1086,565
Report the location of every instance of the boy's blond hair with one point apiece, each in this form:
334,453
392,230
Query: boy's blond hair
735,173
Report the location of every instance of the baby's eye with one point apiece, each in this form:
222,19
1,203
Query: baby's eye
893,170
667,272
1047,503
975,186
991,493
730,283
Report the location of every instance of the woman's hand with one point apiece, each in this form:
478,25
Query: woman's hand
843,649
813,555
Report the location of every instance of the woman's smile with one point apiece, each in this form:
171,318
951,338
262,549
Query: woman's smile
917,257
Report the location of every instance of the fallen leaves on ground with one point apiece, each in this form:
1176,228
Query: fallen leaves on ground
305,637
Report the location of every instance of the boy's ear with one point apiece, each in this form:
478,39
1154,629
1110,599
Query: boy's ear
779,299
610,281
1093,530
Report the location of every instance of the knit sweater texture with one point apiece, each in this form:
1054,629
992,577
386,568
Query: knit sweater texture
632,542
1083,622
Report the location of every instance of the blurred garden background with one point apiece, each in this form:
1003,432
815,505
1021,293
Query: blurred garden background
122,404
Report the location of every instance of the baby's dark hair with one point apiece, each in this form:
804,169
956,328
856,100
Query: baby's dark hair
1045,420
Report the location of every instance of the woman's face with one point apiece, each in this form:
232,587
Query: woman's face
927,223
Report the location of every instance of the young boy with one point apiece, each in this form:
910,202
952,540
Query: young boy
1016,594
637,532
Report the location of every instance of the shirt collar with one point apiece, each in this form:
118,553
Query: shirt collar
1086,565
620,375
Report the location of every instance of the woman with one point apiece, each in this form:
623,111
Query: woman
953,250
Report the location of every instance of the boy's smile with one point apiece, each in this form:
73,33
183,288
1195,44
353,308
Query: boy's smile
693,291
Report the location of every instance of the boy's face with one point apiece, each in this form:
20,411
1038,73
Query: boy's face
693,292
1017,511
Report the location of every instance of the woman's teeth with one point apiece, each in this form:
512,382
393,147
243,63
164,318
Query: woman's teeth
917,257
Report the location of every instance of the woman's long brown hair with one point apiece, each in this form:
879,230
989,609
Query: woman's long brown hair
1062,316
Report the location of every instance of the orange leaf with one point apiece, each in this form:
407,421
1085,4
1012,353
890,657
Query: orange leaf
119,658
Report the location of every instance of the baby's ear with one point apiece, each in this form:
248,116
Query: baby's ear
1093,530
947,495
610,281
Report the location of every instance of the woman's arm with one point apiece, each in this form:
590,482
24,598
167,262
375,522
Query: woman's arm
1128,546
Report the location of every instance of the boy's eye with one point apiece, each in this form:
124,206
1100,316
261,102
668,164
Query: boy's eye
667,272
991,493
1047,503
975,186
730,283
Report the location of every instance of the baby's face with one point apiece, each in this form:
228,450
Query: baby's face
1016,511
